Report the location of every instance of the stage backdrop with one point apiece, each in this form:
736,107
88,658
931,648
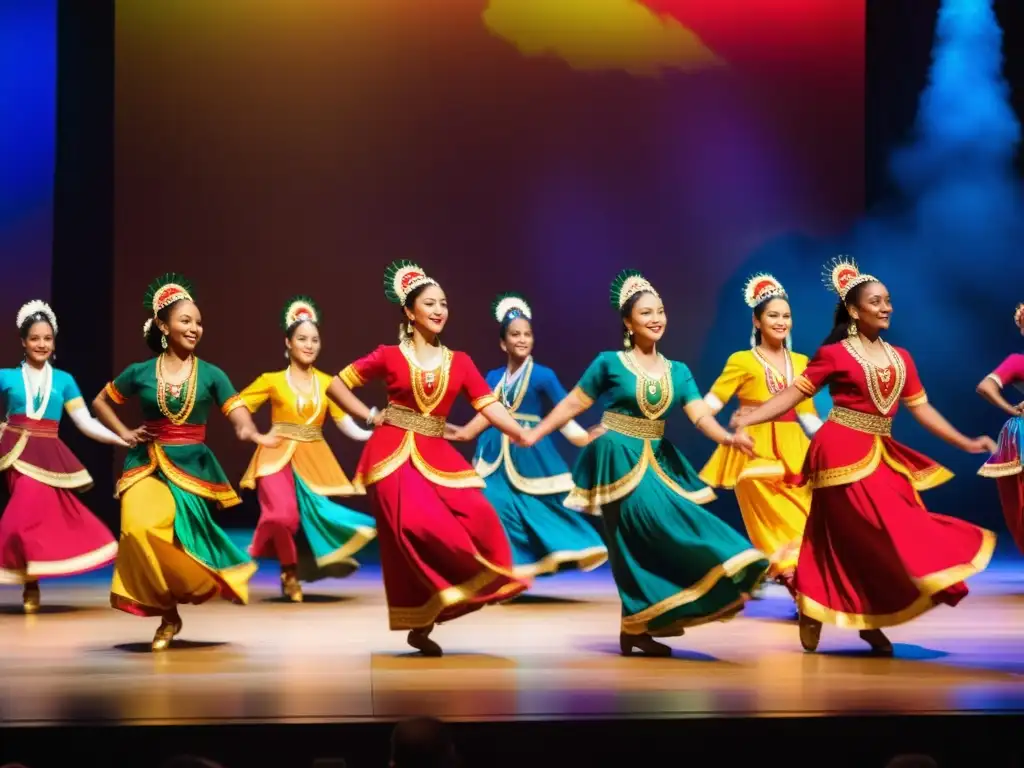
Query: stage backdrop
28,91
270,147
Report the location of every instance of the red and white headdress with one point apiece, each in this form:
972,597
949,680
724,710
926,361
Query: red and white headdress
300,309
37,307
403,277
163,292
1018,316
760,288
842,275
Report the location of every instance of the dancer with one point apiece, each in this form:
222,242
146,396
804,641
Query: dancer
1004,465
45,531
294,480
774,511
675,564
872,555
527,487
442,548
171,549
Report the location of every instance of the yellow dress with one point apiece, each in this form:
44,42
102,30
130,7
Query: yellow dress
295,479
774,511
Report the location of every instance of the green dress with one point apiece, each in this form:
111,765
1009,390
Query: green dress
179,457
675,564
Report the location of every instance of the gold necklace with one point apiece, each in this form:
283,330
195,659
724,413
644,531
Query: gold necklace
163,388
653,395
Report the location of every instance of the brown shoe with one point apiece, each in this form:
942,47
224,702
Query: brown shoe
646,644
880,644
810,633
420,640
30,597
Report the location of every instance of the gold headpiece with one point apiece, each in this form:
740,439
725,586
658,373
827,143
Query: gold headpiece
298,310
760,288
403,277
841,275
626,285
1018,315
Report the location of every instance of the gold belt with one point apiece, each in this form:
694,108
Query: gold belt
631,426
302,433
414,421
862,422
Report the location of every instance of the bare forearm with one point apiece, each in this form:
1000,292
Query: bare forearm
477,424
498,415
245,428
703,418
936,423
347,399
567,410
989,390
785,401
105,413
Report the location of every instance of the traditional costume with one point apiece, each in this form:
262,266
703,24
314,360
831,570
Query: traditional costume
1004,465
675,564
774,511
528,485
45,531
172,551
443,550
294,479
872,555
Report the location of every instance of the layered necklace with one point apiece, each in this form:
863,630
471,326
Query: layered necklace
311,396
511,395
184,392
653,393
36,401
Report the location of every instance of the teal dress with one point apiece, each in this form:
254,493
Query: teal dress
675,564
528,485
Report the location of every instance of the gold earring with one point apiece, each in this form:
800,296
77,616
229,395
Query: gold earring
163,341
627,339
851,329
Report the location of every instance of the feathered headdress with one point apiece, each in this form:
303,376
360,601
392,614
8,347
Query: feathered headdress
37,307
842,275
163,292
760,288
1018,316
403,277
628,283
300,309
510,305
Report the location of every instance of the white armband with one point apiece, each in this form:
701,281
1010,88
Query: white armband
573,431
713,403
90,426
810,422
350,429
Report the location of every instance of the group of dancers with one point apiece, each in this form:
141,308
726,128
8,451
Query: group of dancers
831,508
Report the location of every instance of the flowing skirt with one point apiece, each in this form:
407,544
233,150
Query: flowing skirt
442,550
676,565
545,536
47,532
171,551
328,534
873,556
774,514
1005,467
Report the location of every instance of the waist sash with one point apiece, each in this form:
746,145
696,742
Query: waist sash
34,427
870,423
631,426
166,433
413,421
301,433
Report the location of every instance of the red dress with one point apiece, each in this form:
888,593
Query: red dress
873,556
443,549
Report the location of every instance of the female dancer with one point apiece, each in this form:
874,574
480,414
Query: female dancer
1005,464
529,492
443,550
774,511
294,480
675,565
872,555
171,550
45,530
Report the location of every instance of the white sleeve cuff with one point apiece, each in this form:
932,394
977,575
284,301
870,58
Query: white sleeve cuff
573,431
810,422
713,402
351,430
91,427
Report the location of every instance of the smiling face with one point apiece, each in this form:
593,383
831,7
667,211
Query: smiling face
38,342
184,328
429,311
871,308
774,320
518,339
304,343
647,319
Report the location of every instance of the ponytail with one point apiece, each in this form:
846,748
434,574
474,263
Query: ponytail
840,325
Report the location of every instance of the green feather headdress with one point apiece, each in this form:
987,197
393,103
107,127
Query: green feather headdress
403,277
628,283
163,292
510,304
299,309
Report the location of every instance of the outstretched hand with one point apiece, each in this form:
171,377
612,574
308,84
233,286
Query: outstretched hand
983,444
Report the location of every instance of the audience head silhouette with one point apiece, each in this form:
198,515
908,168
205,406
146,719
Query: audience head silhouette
422,742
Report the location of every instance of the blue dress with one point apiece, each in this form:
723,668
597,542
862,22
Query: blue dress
527,486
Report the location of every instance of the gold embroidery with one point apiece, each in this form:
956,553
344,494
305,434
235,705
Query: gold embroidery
350,377
190,395
502,392
862,422
644,380
420,423
872,373
919,399
427,402
303,433
632,426
483,401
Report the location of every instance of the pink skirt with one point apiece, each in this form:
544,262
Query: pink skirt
47,532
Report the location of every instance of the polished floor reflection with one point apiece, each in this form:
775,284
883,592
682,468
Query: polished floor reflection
551,654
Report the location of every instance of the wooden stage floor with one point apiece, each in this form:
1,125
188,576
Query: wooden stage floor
550,655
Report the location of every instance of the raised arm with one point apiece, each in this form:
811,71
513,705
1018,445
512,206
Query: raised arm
916,400
483,399
991,387
571,406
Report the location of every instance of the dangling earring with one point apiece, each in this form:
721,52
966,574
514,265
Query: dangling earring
851,329
287,356
627,339
408,328
163,341
753,337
